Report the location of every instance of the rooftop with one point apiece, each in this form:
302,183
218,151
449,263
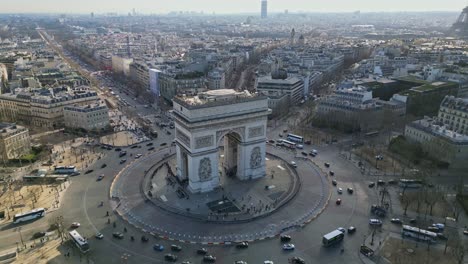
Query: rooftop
215,97
432,126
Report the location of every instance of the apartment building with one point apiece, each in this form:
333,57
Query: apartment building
89,117
14,141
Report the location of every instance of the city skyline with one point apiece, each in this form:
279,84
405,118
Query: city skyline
240,6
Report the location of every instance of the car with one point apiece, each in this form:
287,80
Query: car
170,257
209,258
293,163
149,144
118,235
308,142
338,201
134,146
168,132
351,230
118,149
186,262
202,251
413,221
392,181
176,248
163,144
280,135
439,226
103,166
297,260
371,185
299,146
288,247
152,148
340,190
88,171
122,161
312,154
341,229
350,190
240,262
158,247
242,245
99,236
38,235
76,173
327,164
375,222
122,153
144,239
465,232
285,131
285,238
304,153
137,156
271,141
432,228
75,225
381,182
441,236
379,157
100,177
334,182
396,221
332,173
268,262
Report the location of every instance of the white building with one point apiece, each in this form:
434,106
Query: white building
14,141
276,86
216,79
88,117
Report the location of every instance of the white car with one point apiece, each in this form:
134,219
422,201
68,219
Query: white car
75,225
299,146
293,163
340,190
137,156
99,236
375,222
342,229
268,262
288,247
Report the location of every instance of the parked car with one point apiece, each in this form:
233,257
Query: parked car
163,144
242,245
304,153
158,247
134,146
396,221
38,235
285,238
371,185
288,247
118,235
88,171
152,148
297,260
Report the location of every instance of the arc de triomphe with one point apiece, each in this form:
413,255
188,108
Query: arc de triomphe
202,121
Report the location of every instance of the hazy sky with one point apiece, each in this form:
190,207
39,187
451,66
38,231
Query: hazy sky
225,6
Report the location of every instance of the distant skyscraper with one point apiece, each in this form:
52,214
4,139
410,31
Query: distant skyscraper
264,8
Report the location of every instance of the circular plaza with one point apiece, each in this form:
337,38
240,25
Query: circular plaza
148,195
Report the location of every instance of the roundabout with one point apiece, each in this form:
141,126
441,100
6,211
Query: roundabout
148,196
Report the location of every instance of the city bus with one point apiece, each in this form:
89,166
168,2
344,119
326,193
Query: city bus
65,169
31,215
332,238
80,242
410,183
288,144
295,138
418,233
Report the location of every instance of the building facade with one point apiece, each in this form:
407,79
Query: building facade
14,141
88,117
453,113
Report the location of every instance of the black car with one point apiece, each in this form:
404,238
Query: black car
332,173
327,164
122,153
242,245
134,146
308,142
202,251
334,182
144,239
351,230
412,221
170,257
118,235
371,185
297,260
123,161
392,181
88,171
304,153
152,148
209,258
149,144
163,144
350,190
118,149
103,166
38,235
285,238
176,248
380,182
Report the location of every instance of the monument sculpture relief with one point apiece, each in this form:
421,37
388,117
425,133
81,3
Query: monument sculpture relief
256,158
204,171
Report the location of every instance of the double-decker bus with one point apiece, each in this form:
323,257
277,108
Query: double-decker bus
418,233
31,215
65,169
295,138
332,238
288,144
80,242
411,183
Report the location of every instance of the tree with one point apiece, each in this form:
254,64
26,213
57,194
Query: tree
406,199
58,224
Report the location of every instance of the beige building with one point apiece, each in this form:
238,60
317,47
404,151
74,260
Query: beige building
453,113
89,117
14,141
42,107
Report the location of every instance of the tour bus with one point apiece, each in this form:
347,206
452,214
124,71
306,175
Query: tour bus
332,238
288,144
31,215
79,241
295,138
65,169
418,233
410,183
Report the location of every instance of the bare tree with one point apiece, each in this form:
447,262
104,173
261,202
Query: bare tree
58,224
406,199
